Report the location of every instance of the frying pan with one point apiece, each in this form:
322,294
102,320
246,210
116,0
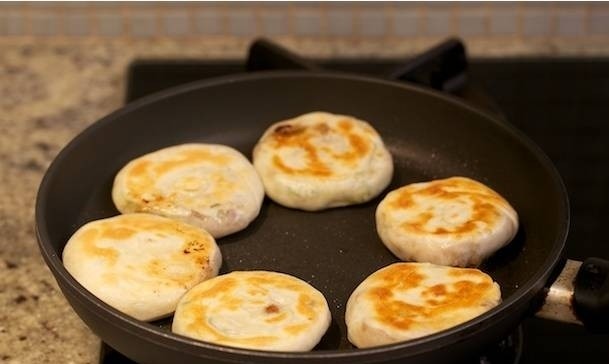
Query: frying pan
430,136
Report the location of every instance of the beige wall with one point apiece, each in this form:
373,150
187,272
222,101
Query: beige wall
566,21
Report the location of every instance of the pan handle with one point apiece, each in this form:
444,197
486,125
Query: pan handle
580,295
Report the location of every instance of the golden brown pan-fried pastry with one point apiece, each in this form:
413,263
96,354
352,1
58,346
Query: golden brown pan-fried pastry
455,221
141,264
208,185
321,160
256,310
404,301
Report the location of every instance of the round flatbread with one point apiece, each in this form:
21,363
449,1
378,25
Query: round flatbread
255,310
141,264
321,160
455,221
208,185
404,301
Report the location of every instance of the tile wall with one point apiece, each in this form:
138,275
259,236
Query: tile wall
568,21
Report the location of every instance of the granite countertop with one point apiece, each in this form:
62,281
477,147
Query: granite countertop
50,90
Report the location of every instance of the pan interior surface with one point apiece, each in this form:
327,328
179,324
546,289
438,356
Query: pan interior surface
428,136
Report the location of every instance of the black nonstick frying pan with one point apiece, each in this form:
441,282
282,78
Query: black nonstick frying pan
429,135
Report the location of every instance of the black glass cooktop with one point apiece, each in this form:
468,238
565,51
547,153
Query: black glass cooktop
562,104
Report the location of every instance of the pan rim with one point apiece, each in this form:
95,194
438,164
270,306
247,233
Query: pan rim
423,344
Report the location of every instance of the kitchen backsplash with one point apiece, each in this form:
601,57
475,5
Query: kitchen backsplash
567,21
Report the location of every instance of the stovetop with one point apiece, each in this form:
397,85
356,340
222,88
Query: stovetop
561,104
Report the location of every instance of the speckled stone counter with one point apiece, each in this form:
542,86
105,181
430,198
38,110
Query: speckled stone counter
50,90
